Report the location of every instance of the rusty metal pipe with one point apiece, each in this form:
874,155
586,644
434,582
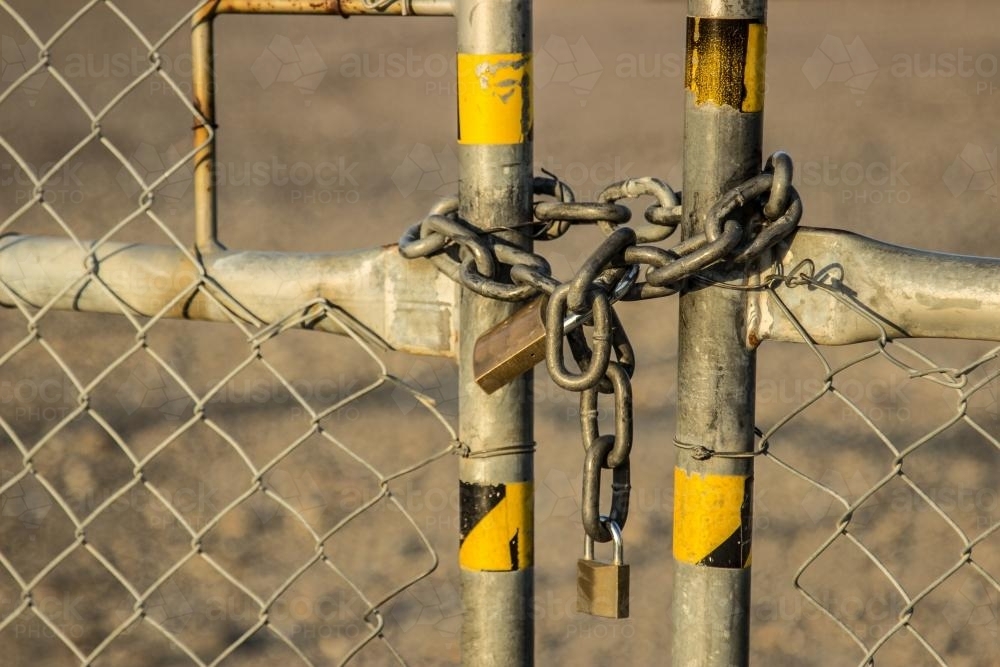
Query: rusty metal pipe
203,83
335,7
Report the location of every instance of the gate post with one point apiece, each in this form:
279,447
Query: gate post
723,126
496,552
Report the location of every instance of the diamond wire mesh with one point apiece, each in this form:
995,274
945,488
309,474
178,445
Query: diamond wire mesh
38,496
885,485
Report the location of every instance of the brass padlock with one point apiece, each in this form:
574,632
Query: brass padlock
602,588
517,344
511,348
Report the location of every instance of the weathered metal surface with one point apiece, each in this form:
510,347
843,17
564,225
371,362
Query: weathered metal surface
401,304
729,9
416,8
203,82
278,7
495,190
203,88
511,348
715,366
908,293
336,7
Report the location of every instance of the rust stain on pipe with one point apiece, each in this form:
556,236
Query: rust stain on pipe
277,7
203,83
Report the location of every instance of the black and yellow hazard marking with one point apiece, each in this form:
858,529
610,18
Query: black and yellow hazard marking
725,62
496,524
494,98
713,519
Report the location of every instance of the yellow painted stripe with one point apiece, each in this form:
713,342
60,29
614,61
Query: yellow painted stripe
754,74
503,539
725,62
494,98
709,513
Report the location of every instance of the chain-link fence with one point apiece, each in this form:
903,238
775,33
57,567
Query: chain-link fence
184,494
151,504
250,492
893,454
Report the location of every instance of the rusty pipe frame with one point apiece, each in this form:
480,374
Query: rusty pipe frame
392,302
203,82
336,7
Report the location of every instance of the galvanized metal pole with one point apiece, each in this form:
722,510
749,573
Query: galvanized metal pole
723,125
496,507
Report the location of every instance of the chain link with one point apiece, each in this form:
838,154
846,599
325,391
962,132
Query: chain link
595,460
662,217
768,202
557,217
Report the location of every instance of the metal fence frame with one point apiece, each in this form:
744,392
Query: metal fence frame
398,304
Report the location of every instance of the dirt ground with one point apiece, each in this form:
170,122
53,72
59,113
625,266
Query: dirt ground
338,135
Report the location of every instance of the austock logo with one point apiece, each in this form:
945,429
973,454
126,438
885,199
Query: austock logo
151,164
985,392
426,170
895,498
62,186
24,400
835,61
63,613
435,385
428,606
574,64
859,181
285,62
26,501
147,387
300,491
167,606
150,386
333,181
977,606
15,61
973,170
557,496
820,504
425,381
327,616
437,607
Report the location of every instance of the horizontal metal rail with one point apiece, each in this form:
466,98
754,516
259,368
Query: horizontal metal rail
408,305
908,293
400,304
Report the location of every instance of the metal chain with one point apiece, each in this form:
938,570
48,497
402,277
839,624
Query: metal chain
474,258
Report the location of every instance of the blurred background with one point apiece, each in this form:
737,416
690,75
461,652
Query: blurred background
338,135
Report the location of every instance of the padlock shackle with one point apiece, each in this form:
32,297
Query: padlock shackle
616,536
622,287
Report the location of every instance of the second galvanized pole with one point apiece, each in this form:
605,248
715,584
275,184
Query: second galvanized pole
496,553
724,82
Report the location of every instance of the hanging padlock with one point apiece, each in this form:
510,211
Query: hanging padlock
602,588
511,348
517,344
